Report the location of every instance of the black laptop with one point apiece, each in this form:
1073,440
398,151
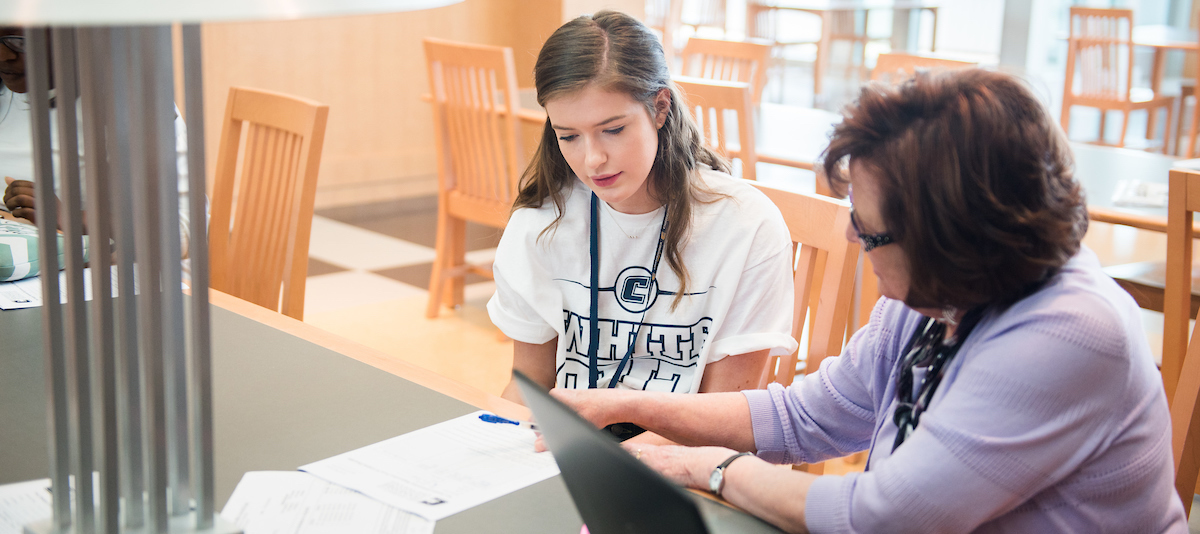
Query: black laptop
613,491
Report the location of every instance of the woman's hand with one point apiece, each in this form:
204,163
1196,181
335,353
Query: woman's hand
687,466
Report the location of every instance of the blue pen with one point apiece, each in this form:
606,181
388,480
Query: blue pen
489,418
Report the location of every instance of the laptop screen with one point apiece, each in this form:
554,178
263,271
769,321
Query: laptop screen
613,491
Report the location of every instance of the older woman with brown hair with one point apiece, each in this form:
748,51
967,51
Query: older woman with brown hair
1003,384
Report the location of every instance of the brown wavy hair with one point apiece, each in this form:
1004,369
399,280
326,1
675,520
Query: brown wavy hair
976,179
616,52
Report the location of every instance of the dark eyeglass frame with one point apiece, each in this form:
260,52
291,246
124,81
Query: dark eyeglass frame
869,241
16,43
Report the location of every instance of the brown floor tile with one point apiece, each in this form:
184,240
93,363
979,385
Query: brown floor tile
418,275
317,267
410,219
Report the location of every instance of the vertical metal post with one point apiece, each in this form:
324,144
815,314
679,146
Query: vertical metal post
95,83
78,367
160,123
129,399
143,166
38,75
200,397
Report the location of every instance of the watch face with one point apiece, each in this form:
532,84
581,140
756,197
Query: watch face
714,481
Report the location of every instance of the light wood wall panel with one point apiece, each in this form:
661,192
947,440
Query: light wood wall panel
371,72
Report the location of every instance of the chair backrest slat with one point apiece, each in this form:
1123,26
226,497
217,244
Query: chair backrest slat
262,215
1100,50
730,61
478,139
711,103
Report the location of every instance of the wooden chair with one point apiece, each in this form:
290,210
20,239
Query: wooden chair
1181,359
712,104
825,268
730,61
479,153
258,235
1100,47
899,67
1177,299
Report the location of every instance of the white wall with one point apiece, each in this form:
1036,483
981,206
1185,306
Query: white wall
968,27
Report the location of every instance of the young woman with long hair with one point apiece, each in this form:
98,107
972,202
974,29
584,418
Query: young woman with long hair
690,289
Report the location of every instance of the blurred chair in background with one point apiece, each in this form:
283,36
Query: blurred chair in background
730,61
1100,71
479,153
719,108
262,203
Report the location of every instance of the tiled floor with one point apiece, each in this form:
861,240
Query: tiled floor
369,268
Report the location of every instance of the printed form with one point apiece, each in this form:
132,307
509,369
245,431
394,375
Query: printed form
291,502
27,293
23,503
440,470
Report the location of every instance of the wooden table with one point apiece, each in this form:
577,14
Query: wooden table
1100,168
792,135
1162,39
287,394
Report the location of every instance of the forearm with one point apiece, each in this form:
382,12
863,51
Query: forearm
776,494
536,362
721,419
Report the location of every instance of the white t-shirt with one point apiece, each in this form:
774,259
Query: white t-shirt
16,151
739,298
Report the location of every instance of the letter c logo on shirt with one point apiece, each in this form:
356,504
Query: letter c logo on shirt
635,290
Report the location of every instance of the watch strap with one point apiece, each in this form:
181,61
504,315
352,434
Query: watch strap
717,478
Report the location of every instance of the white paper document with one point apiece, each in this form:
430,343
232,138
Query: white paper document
24,503
440,470
1139,194
292,502
27,293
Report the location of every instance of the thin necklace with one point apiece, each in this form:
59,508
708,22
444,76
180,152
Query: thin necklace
613,218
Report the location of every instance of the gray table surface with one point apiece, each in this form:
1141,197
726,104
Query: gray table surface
282,402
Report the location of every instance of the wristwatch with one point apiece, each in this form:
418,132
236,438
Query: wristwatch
716,481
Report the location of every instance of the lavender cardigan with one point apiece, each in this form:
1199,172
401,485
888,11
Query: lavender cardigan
1052,418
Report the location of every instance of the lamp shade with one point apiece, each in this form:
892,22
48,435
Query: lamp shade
137,12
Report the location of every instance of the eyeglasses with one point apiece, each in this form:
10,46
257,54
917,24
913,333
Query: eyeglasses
16,43
869,241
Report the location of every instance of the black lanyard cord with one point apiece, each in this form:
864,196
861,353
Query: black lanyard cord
594,334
